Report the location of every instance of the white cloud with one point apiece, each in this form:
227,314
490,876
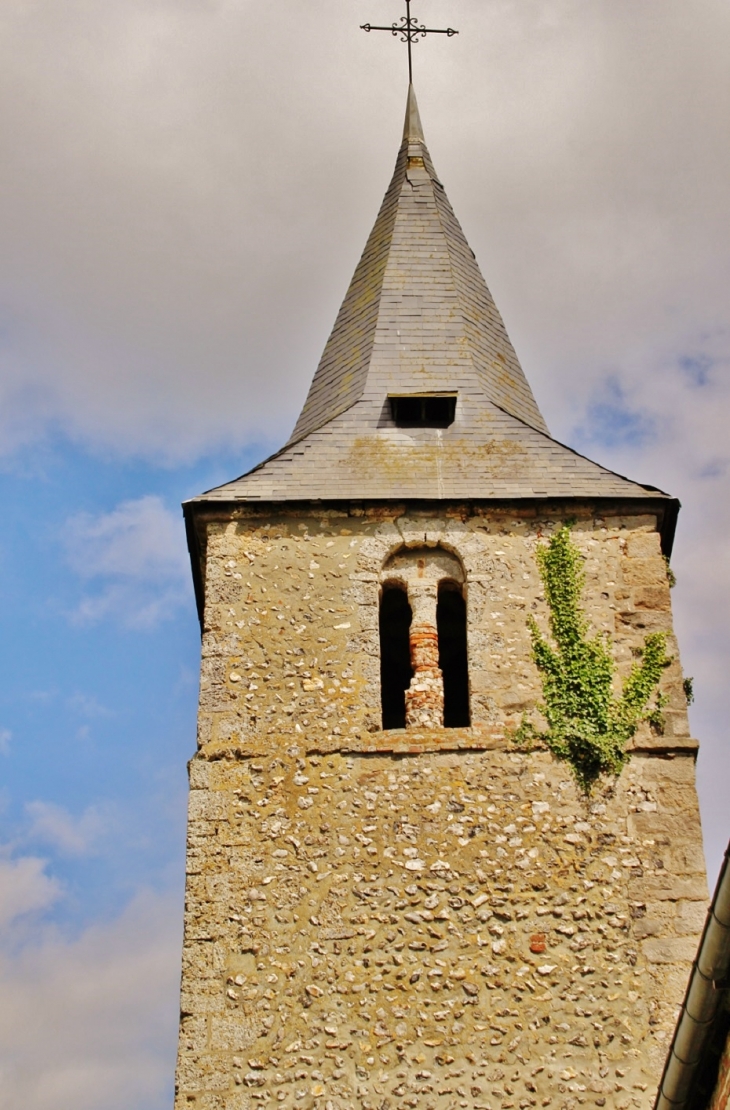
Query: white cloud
5,737
139,539
89,1023
86,705
25,888
137,554
54,826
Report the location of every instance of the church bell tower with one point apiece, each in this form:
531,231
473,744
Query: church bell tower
390,902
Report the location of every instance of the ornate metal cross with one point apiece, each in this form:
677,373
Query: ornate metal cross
410,31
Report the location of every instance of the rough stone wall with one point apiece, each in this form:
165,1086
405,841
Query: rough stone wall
721,1095
425,917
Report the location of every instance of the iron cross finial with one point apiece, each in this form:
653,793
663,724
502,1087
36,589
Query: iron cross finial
410,31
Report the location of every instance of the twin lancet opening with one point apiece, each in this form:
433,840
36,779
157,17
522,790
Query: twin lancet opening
424,674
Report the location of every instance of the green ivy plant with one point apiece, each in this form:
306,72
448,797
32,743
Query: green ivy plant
587,725
671,576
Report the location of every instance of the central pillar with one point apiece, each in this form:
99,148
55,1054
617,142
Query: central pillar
425,695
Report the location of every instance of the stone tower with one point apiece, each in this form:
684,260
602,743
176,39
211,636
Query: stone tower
388,903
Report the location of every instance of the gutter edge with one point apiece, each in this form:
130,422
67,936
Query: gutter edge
675,1085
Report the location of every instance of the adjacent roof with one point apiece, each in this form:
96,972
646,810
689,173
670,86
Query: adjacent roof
419,318
701,1036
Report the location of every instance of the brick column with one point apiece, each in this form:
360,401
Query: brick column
425,695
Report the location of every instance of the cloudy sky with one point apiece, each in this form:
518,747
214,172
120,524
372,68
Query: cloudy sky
186,187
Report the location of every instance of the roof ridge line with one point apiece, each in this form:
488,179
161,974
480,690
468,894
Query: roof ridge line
388,212
431,171
247,473
474,367
405,142
412,127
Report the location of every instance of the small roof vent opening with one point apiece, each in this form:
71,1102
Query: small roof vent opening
423,410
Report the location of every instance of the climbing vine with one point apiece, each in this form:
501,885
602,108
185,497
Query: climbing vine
587,725
671,576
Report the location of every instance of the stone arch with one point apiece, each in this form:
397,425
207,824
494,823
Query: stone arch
423,563
430,582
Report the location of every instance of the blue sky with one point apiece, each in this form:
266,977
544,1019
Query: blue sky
99,657
100,668
185,194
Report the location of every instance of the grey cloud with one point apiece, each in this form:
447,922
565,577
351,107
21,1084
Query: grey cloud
187,187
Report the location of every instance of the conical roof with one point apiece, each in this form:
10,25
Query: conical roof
419,319
418,315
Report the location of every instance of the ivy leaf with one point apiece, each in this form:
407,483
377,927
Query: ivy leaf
587,726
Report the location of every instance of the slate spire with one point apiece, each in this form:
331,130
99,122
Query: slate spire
412,128
419,321
418,315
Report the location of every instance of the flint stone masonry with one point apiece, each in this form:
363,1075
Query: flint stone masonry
425,917
291,632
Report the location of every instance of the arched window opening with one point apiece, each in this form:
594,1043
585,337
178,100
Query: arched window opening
395,654
453,661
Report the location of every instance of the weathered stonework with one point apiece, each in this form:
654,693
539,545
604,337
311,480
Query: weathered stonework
721,1095
425,917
